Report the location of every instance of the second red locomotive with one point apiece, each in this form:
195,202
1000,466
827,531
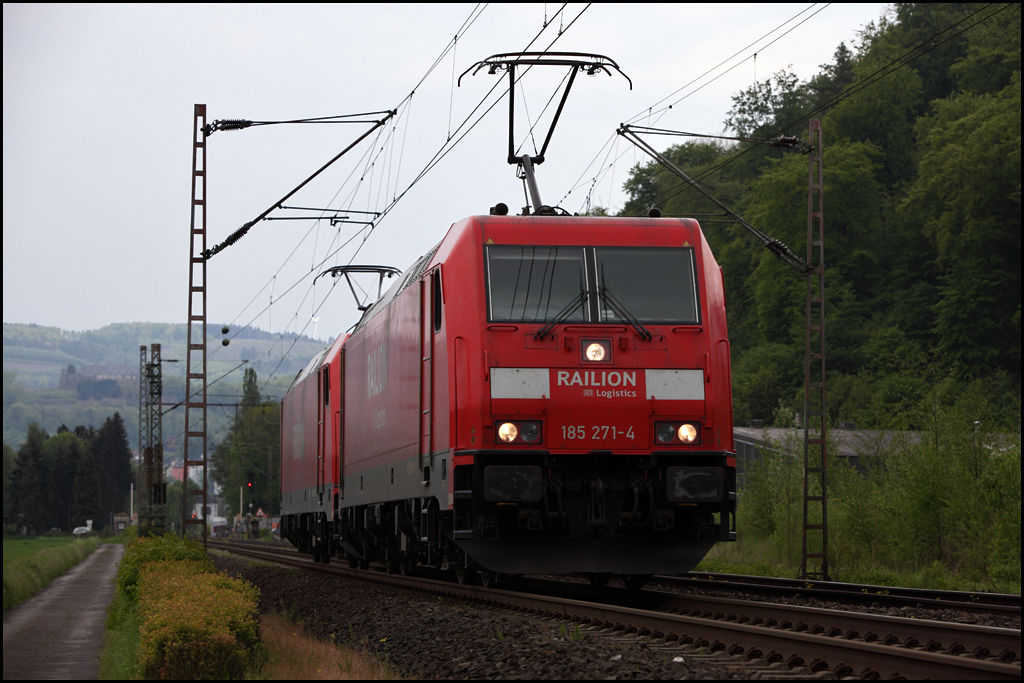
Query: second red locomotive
537,394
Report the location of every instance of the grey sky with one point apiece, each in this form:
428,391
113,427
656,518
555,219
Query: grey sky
97,130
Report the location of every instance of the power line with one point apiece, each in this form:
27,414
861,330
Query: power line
442,152
650,110
879,74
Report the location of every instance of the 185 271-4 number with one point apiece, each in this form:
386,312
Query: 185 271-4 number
596,432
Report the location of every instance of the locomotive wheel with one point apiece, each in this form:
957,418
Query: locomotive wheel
405,568
465,576
599,580
392,565
353,563
635,581
489,579
364,564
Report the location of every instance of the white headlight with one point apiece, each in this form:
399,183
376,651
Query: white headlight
687,433
507,432
595,352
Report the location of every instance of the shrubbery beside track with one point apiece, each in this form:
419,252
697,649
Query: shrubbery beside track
193,622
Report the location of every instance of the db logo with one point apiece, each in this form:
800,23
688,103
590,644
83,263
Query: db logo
588,392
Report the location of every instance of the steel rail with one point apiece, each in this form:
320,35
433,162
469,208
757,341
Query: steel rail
943,595
844,656
978,603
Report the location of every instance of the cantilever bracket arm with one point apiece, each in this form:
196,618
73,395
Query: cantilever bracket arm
381,271
770,243
592,64
240,233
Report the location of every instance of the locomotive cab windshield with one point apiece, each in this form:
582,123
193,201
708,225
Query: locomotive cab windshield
543,284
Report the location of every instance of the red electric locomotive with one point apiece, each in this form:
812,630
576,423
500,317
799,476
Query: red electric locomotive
537,394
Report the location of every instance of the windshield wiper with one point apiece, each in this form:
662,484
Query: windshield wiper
617,306
570,308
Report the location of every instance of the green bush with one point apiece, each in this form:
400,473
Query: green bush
196,625
937,507
148,549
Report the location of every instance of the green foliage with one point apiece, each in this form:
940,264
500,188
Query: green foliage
758,109
195,625
8,471
28,481
921,214
936,508
191,623
114,465
149,549
62,454
25,576
967,201
121,642
85,497
993,54
770,505
251,453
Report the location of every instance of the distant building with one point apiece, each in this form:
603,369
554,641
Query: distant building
855,446
101,381
121,521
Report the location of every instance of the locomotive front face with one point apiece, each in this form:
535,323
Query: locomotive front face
604,406
537,394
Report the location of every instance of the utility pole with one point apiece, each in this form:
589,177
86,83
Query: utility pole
195,359
153,490
814,564
144,433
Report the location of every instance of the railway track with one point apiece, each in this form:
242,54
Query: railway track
979,603
785,639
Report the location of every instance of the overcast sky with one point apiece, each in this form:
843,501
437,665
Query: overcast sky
98,105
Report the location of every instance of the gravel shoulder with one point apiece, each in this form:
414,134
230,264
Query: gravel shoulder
431,637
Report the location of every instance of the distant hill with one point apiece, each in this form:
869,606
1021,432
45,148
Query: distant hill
35,356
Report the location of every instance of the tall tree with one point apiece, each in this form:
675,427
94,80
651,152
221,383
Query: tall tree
85,498
967,201
28,481
251,452
9,457
113,455
61,454
250,389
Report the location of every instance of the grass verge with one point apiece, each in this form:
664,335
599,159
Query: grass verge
292,654
756,557
118,659
31,573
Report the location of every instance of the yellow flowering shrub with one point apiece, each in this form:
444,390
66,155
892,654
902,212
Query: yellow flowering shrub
195,624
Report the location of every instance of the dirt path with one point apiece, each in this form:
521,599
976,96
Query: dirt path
58,633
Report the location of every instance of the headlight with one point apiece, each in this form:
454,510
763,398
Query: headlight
530,432
596,350
687,433
508,432
519,432
666,432
677,433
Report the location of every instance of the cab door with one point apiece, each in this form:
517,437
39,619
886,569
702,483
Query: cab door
430,324
338,424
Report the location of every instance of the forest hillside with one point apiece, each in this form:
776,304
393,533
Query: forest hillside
921,131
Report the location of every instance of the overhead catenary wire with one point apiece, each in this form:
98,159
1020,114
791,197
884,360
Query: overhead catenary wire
650,111
442,152
852,90
439,155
